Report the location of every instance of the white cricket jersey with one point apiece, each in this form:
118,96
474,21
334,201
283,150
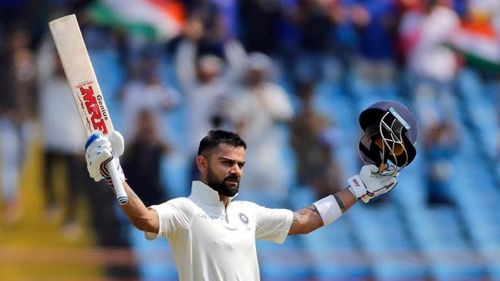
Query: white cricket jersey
211,242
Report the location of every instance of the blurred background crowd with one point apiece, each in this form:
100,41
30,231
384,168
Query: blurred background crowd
291,77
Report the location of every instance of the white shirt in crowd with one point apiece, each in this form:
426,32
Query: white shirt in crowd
259,111
206,100
212,242
61,123
138,96
62,128
430,58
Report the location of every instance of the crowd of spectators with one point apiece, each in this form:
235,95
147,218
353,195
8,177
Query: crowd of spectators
252,66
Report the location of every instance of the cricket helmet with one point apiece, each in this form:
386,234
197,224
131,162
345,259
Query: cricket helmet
390,134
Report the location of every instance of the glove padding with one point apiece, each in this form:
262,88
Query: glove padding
99,151
370,183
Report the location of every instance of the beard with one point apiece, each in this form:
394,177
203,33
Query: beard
221,186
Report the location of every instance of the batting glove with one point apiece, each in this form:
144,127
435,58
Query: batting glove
99,151
370,183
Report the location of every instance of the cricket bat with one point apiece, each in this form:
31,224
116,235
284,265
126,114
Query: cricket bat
84,86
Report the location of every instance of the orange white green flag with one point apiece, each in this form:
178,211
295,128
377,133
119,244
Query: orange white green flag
154,20
477,40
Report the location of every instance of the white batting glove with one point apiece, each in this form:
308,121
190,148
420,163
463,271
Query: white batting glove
99,151
370,183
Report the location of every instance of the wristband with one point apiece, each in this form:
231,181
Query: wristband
328,209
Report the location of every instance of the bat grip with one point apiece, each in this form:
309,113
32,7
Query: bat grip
121,195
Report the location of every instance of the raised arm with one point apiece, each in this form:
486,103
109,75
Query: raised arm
185,57
365,186
99,151
237,61
138,214
185,64
309,219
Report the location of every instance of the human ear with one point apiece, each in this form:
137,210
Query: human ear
201,163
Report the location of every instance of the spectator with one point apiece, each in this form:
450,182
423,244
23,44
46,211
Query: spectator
311,139
258,108
107,229
428,57
145,90
376,23
433,65
315,21
66,152
208,14
440,147
410,17
205,83
56,100
143,160
258,25
143,164
17,109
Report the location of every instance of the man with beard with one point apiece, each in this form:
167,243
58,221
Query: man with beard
213,237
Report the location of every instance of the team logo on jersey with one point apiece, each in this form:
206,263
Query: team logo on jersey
244,218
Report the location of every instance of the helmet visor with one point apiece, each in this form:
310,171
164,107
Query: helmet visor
392,129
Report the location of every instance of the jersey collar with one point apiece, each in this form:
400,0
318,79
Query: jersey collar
203,193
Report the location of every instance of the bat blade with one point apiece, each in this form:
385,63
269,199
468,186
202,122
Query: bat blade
84,86
80,74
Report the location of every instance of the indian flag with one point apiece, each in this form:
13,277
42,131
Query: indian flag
479,44
155,20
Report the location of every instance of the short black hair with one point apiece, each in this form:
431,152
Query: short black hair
216,137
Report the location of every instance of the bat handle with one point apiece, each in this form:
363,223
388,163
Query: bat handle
121,195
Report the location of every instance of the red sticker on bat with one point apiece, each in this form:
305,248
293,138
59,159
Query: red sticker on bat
92,106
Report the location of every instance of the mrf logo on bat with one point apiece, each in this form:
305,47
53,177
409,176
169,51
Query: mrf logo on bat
94,106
